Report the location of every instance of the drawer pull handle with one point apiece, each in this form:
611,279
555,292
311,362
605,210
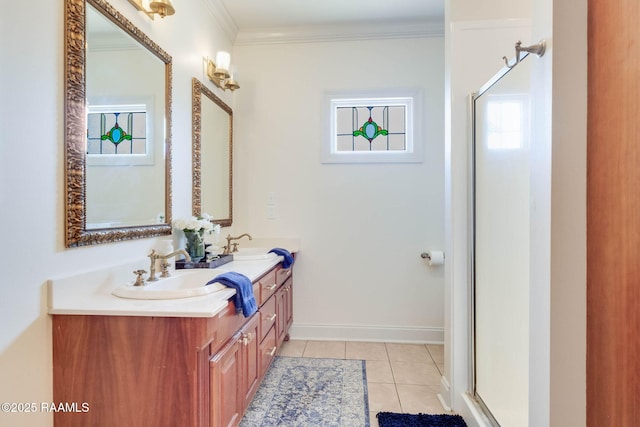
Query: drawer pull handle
272,317
271,287
247,338
272,352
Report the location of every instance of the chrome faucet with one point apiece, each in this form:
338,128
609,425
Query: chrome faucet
154,256
228,249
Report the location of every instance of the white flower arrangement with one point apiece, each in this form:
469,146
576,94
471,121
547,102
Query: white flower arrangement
201,224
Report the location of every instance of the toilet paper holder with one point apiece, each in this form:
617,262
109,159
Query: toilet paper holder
425,255
434,257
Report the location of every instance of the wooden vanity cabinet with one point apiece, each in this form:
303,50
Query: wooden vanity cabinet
132,370
168,371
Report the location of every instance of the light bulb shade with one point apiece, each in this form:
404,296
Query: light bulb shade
223,61
162,7
231,85
234,73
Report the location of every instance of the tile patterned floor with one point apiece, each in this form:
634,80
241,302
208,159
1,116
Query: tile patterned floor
400,377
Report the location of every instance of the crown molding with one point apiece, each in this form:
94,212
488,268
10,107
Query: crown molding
341,32
222,16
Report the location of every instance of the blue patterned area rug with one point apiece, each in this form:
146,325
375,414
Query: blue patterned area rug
305,392
390,419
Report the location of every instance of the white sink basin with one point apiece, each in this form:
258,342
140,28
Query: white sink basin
252,254
181,284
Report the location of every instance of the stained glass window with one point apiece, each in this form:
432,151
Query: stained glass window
122,131
375,129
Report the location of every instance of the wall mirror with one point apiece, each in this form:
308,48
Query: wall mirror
117,128
212,155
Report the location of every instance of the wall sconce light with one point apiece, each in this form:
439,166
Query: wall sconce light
152,7
218,72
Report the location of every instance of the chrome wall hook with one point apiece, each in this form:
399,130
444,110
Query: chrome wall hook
538,49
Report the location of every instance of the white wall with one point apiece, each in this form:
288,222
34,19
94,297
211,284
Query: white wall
361,227
31,177
565,102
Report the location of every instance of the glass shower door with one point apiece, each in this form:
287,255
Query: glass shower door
501,171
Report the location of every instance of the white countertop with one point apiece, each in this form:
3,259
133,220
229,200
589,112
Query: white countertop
89,293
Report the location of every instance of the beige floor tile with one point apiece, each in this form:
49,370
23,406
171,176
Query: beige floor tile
325,349
416,399
408,352
367,350
379,371
373,421
292,348
400,377
415,373
437,353
383,397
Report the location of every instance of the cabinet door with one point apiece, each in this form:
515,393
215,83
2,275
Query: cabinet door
281,303
226,379
250,351
288,308
284,310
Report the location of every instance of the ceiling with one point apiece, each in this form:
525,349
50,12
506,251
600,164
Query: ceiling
252,15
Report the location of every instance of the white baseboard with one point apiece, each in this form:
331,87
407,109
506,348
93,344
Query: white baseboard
445,394
429,335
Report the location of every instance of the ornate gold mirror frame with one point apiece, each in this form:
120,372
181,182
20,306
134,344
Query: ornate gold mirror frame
224,146
76,232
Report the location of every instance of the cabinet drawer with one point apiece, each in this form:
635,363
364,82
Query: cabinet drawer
282,274
268,286
229,322
267,351
267,316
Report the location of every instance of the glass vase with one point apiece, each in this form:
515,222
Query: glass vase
195,245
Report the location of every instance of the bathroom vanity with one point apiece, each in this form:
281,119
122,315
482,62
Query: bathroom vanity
181,362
